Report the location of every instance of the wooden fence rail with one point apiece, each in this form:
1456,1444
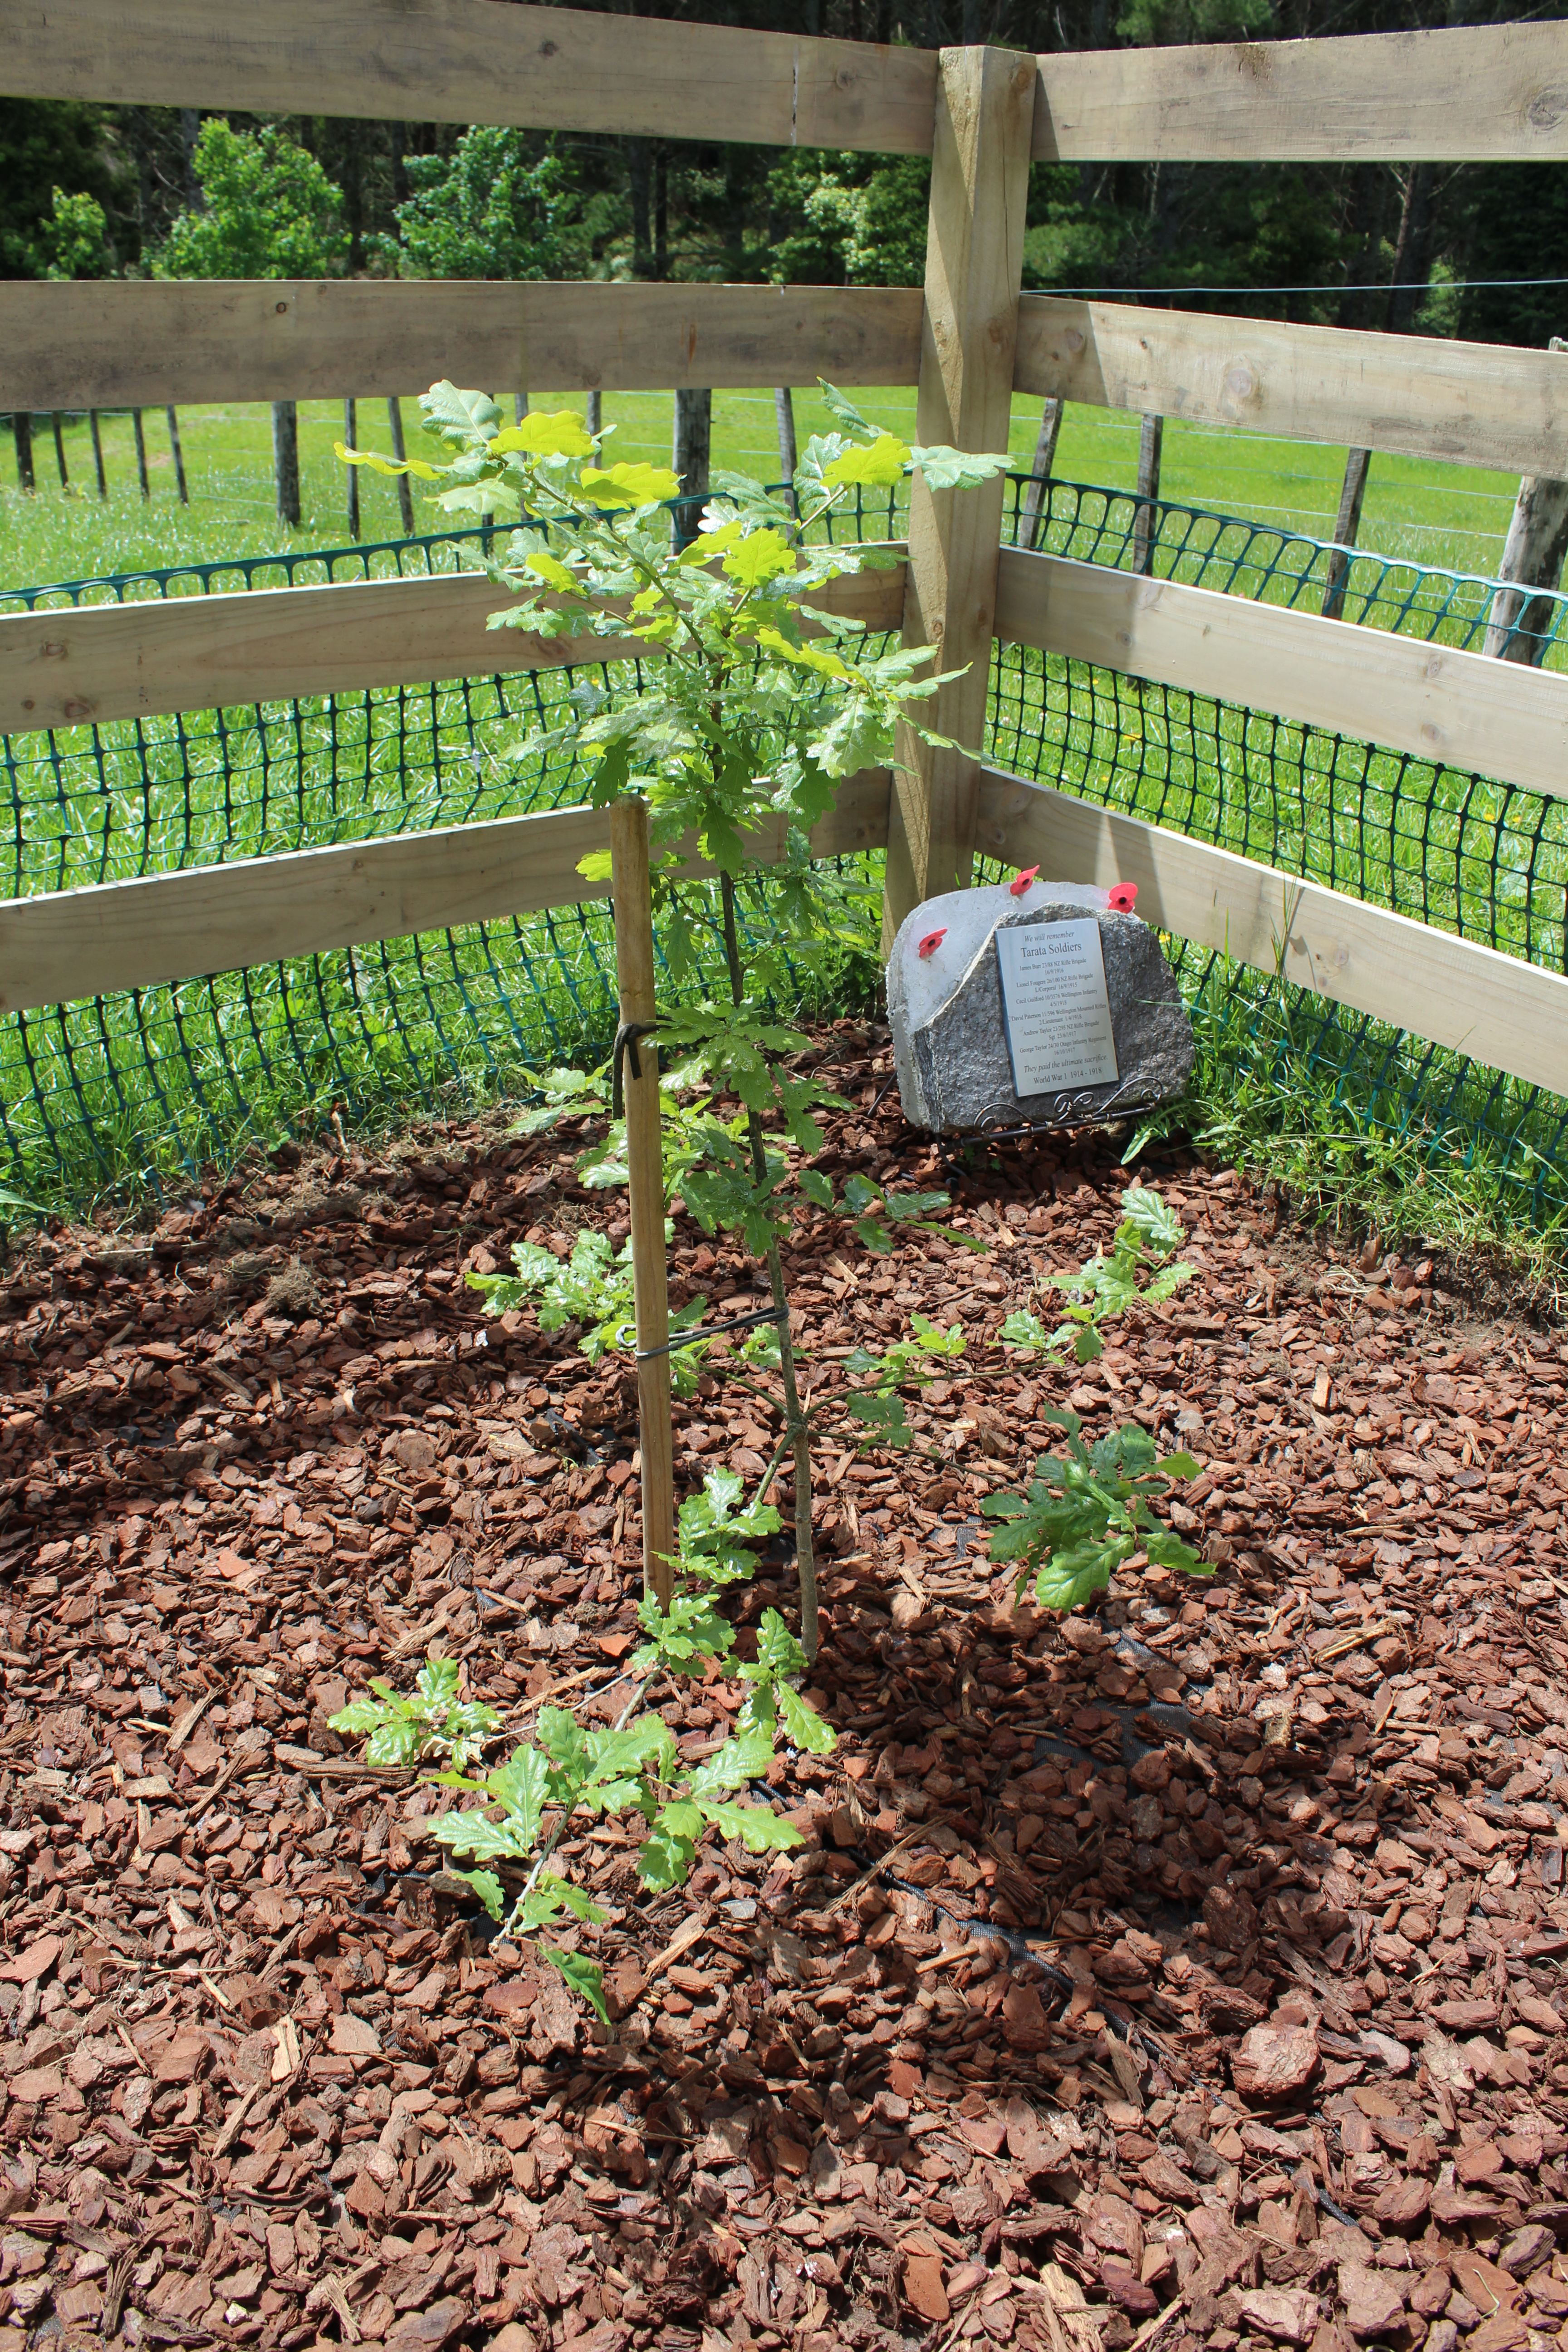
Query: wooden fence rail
1456,708
69,944
121,346
95,663
1476,404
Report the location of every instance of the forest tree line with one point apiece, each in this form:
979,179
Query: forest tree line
91,191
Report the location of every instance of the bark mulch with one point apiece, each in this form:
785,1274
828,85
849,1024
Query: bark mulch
1189,1971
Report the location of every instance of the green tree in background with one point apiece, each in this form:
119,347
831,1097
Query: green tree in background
74,241
268,211
47,145
488,210
859,220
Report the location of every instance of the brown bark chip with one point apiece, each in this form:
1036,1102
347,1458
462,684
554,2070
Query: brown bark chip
1194,1962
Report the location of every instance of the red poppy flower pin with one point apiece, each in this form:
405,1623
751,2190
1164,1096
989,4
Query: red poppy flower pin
1016,889
1122,896
931,942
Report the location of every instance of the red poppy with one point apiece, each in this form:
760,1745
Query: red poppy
1016,890
931,942
1121,898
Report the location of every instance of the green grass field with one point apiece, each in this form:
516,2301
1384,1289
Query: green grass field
1452,517
125,1094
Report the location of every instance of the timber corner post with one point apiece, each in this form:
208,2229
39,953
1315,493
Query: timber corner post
632,896
969,328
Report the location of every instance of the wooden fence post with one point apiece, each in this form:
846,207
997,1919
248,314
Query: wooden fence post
979,185
594,415
630,891
1347,523
350,436
789,449
139,432
285,460
178,454
405,493
1146,521
97,452
1520,626
58,421
690,459
1036,497
22,432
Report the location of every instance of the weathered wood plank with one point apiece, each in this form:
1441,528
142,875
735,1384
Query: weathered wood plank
1508,1014
1454,708
113,345
127,661
979,191
64,946
1491,93
471,61
1479,404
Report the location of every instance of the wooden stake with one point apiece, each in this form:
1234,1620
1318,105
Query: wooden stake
98,453
630,889
137,428
351,432
405,494
975,250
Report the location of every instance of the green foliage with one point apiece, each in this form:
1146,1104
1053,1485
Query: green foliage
75,238
1106,1287
432,1721
909,1363
489,209
505,1839
49,145
593,1287
1088,1511
270,211
857,220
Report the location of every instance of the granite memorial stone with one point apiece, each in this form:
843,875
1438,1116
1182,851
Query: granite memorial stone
1039,1008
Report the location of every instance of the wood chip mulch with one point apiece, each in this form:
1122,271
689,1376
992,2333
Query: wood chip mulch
1188,1971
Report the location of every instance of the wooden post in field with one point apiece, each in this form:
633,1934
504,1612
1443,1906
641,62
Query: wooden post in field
173,414
1347,523
632,897
979,185
405,494
58,421
789,453
97,452
350,436
1145,523
22,433
285,460
690,457
136,428
1518,627
1036,496
593,415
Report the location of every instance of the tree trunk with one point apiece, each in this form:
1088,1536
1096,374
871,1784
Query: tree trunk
1347,523
693,442
22,433
1519,628
136,428
405,491
1036,496
285,460
1146,525
179,456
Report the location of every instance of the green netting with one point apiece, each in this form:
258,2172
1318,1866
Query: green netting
130,1090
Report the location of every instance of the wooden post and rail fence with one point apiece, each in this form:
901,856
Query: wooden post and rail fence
968,340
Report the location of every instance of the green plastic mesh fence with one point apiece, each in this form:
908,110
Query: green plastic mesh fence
133,1089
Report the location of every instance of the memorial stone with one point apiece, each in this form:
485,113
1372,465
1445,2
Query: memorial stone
1041,1008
